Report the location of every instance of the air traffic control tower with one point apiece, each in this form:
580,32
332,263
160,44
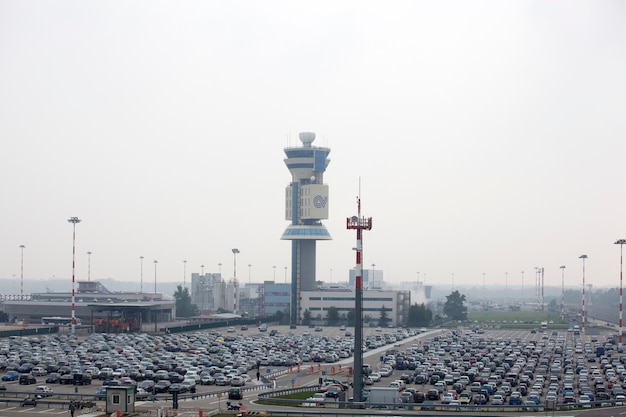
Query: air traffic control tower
306,204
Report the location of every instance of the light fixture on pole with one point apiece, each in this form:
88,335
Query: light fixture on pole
235,252
582,317
274,273
74,221
621,328
141,274
22,273
220,269
89,266
249,273
155,276
562,292
522,285
184,274
285,275
202,270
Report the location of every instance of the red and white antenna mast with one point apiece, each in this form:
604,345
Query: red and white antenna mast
359,224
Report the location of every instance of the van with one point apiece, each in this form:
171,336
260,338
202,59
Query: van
263,327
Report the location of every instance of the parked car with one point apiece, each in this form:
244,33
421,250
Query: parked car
101,393
27,379
30,401
53,378
11,376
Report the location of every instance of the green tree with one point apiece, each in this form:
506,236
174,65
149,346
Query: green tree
455,307
282,316
306,317
332,316
184,307
350,317
419,315
384,319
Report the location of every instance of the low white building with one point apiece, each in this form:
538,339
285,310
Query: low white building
396,303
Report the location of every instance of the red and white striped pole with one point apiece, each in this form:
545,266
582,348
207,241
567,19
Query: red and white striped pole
582,322
359,224
621,329
235,252
73,220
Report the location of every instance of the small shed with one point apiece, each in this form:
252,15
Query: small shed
120,398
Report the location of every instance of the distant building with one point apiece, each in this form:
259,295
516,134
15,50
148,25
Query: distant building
96,306
396,303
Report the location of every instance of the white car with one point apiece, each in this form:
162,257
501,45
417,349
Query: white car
317,400
44,391
497,399
447,398
237,381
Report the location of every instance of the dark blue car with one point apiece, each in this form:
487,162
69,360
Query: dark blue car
11,376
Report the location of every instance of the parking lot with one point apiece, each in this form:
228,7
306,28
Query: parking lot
452,367
509,368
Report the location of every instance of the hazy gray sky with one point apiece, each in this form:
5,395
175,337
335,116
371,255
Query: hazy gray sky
489,136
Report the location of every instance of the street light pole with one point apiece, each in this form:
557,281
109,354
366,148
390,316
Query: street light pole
249,273
582,324
155,276
373,280
184,274
89,266
235,252
141,274
74,221
274,273
22,273
562,292
522,286
621,328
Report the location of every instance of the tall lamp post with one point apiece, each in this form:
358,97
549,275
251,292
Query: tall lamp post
184,274
22,273
141,274
582,317
249,273
274,273
155,276
562,292
235,252
155,291
373,280
89,266
522,286
74,221
506,286
621,329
